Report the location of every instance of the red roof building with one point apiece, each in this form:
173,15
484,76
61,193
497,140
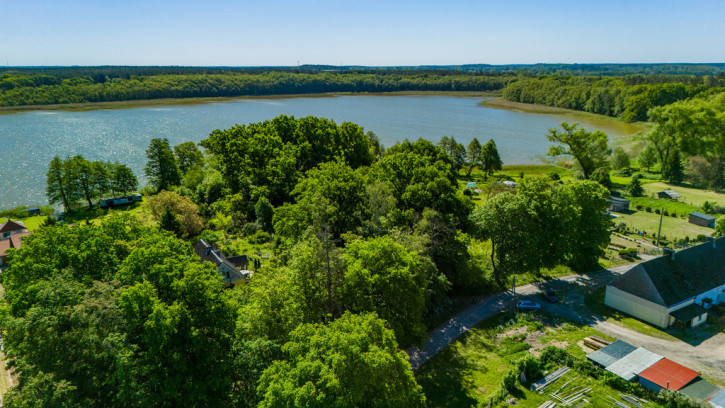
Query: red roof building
667,374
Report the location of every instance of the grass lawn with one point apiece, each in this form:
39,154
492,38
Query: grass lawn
469,371
690,196
671,227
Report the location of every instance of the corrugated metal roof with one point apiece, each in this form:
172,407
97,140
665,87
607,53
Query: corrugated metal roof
703,216
668,374
719,399
611,353
634,363
700,389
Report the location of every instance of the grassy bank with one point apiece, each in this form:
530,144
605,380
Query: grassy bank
90,106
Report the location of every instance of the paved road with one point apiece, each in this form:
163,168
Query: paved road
487,307
705,355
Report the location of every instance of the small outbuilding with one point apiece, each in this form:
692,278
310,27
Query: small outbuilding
618,204
471,184
509,183
629,366
700,389
33,211
610,354
701,219
666,374
668,195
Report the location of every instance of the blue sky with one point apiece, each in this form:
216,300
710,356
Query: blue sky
247,33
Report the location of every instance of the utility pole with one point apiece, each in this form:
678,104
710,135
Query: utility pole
659,231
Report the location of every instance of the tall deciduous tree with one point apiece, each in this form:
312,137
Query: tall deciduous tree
352,362
188,156
647,157
490,159
473,155
86,178
57,184
123,179
162,168
454,149
589,149
620,159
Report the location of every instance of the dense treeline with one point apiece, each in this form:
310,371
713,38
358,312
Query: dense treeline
19,90
126,72
628,98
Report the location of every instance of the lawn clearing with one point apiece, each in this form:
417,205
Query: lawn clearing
468,372
690,196
672,228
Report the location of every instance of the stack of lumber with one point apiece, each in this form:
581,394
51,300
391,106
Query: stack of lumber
637,402
595,342
572,398
548,404
546,381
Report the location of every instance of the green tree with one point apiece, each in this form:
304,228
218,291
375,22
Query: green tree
188,156
589,149
57,189
490,159
162,168
123,180
647,157
635,187
354,361
673,170
182,207
102,177
383,277
170,223
602,177
455,150
719,227
620,159
265,213
473,155
85,178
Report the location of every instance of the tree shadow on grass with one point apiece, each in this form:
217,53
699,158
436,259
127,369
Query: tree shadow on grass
444,382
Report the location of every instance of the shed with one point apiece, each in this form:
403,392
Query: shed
33,211
691,315
633,363
509,183
471,184
668,194
700,389
612,353
668,375
618,204
701,219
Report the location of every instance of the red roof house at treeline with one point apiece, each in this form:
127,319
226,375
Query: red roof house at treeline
11,233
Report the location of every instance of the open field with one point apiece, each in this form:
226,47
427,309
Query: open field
469,371
672,228
690,196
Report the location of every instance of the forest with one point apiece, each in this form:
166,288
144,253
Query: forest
368,245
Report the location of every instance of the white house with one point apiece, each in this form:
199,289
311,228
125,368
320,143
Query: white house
233,270
676,287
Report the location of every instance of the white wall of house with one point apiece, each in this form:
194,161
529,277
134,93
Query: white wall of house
715,295
635,306
699,320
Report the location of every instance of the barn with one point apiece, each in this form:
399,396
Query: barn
618,204
675,287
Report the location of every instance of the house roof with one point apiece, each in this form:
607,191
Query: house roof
633,363
703,216
670,279
618,200
14,241
608,355
700,389
670,193
207,253
668,374
688,312
10,225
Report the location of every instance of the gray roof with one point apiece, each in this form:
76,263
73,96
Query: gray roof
688,312
608,355
207,253
700,389
618,199
670,193
633,363
703,216
673,278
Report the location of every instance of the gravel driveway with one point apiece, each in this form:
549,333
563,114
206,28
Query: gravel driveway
707,357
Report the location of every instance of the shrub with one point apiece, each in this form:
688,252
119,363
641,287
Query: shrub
638,207
648,209
628,253
701,238
260,237
250,228
665,213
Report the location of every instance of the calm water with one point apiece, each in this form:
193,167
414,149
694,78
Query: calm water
28,141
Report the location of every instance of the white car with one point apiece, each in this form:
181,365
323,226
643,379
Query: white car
528,305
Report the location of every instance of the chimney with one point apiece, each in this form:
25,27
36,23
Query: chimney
714,241
670,252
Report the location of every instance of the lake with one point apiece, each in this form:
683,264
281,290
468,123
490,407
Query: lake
28,141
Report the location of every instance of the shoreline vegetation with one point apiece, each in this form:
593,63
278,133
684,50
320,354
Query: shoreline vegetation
143,103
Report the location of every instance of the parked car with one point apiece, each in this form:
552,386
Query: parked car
528,305
550,295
